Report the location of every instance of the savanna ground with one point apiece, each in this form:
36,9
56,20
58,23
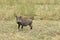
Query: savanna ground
42,30
46,23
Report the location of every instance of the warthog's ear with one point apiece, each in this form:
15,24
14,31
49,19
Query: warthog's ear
16,16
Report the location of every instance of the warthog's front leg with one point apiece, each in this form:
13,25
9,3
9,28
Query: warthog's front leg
22,27
18,26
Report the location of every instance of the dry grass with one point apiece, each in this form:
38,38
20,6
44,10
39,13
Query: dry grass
48,9
42,30
46,29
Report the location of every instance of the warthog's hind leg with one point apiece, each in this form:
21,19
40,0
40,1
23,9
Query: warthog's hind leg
30,26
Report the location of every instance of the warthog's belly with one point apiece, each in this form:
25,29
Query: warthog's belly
24,24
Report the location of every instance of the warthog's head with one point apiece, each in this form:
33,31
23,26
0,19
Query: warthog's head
18,18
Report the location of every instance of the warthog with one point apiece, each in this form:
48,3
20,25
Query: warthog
23,22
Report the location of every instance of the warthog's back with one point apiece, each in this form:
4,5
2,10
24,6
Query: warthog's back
26,21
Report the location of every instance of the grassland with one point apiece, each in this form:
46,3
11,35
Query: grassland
43,9
42,30
48,28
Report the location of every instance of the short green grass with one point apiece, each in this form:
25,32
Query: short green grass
42,30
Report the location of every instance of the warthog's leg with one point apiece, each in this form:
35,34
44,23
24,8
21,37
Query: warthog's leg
18,26
30,26
22,27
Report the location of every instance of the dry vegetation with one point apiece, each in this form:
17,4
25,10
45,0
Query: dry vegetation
45,29
42,30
